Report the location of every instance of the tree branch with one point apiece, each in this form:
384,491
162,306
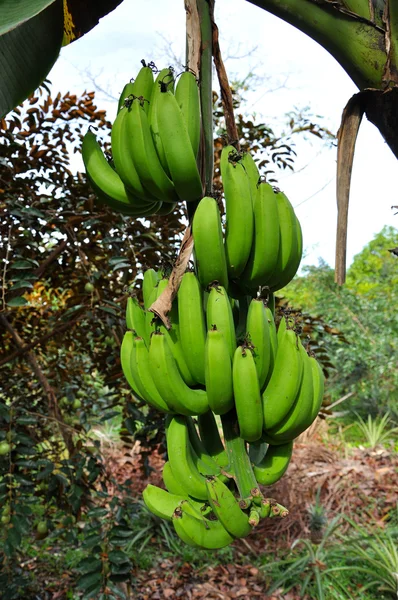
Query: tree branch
38,272
226,94
48,390
26,347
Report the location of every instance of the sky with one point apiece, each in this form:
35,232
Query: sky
291,71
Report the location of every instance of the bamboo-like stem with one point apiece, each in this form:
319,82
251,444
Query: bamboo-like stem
239,461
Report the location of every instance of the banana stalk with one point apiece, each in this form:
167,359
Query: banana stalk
239,461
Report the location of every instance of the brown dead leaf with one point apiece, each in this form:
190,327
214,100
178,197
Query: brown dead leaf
242,592
162,306
346,138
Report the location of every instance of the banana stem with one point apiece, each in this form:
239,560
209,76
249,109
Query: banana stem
206,96
239,461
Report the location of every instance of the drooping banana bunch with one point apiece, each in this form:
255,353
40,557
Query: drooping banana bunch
263,239
225,357
154,140
223,362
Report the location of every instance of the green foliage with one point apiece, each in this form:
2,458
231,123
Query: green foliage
377,431
374,555
363,310
312,566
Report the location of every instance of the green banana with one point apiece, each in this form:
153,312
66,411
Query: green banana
247,395
239,211
294,261
177,147
289,247
219,314
163,504
174,342
270,302
252,171
126,349
144,156
143,86
150,281
173,485
281,390
150,317
287,321
108,183
127,91
264,252
209,253
165,76
257,450
176,487
210,436
173,338
272,329
319,385
206,534
187,96
258,334
226,508
135,318
180,458
124,165
141,368
274,464
166,209
297,419
218,373
192,325
159,502
171,386
205,463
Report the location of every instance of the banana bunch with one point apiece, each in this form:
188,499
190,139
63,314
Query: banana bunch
155,141
262,378
201,363
203,500
262,246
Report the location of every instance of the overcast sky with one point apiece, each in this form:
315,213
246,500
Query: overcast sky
294,72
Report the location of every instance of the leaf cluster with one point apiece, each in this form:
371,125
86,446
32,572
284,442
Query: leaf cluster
364,311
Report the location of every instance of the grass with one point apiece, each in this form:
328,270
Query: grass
377,431
358,565
371,433
374,555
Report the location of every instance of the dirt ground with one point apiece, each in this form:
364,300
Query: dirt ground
353,482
